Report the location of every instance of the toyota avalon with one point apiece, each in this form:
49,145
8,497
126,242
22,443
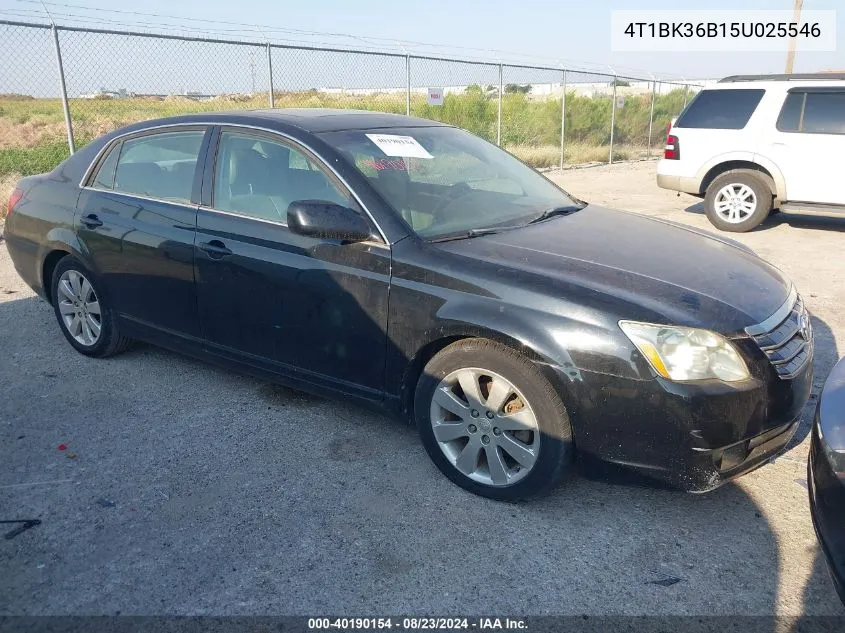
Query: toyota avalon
411,266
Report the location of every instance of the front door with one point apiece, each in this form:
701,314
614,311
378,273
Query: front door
315,308
808,144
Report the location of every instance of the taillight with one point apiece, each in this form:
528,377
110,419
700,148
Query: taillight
14,198
672,151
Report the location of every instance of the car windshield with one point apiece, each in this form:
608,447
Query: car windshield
446,182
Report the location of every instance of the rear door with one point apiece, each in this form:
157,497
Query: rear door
314,309
136,219
809,142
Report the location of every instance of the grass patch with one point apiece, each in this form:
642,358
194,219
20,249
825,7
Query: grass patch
32,160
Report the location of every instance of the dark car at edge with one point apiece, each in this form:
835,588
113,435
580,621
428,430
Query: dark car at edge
415,268
826,474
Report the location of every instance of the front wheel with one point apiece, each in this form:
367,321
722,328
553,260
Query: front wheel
491,421
737,201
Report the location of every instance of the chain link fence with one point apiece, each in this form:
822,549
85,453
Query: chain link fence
61,87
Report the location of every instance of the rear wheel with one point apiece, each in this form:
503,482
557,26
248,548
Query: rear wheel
491,421
737,201
84,317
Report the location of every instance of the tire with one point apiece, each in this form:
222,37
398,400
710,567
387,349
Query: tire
77,317
520,398
751,196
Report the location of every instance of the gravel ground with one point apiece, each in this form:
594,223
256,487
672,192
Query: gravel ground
185,489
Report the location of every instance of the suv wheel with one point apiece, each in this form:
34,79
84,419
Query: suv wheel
491,421
737,201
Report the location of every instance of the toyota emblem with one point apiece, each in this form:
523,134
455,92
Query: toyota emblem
805,327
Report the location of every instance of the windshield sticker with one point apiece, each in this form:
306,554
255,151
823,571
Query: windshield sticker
395,145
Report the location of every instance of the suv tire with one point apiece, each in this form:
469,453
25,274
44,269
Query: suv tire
737,201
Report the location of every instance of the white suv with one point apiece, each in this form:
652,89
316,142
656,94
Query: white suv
753,143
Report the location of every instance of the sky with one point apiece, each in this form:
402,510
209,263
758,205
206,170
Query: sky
575,34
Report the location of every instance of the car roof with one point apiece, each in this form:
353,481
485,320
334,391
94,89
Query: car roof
783,82
313,120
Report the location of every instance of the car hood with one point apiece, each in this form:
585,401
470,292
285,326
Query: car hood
678,275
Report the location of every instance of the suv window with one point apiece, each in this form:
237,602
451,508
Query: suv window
259,177
824,113
721,109
157,165
808,112
790,114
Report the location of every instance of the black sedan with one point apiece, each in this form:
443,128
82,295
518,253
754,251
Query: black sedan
826,474
414,267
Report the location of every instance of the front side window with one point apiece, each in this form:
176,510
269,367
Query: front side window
260,177
444,181
721,109
156,166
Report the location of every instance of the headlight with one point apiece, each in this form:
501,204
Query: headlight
683,353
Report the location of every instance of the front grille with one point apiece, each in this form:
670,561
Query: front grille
786,338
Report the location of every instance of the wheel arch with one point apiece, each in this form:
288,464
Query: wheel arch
51,260
772,177
60,242
416,364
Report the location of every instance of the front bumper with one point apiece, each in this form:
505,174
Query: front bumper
826,476
690,436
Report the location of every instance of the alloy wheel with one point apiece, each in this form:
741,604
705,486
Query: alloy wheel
79,308
485,426
735,203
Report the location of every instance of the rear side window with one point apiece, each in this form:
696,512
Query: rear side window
824,113
105,172
721,109
158,165
820,112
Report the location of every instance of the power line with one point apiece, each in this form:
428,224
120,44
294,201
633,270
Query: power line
385,43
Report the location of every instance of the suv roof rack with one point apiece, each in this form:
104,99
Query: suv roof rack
792,77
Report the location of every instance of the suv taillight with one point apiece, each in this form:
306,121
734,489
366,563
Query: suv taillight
14,198
672,151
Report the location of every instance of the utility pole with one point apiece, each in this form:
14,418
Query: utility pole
796,18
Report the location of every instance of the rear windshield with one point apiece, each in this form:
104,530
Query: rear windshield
721,109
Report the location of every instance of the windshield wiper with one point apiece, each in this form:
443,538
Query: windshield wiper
550,213
465,235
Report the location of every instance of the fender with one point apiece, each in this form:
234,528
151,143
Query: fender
60,238
747,157
777,175
567,351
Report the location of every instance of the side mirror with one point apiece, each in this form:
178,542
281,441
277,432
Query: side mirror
327,220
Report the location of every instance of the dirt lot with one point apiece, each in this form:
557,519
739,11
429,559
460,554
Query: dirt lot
186,489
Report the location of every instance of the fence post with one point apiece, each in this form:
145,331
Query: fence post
499,120
562,118
65,106
270,74
408,85
686,91
612,120
651,117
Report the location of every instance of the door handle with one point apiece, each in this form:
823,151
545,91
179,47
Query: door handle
215,249
91,221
